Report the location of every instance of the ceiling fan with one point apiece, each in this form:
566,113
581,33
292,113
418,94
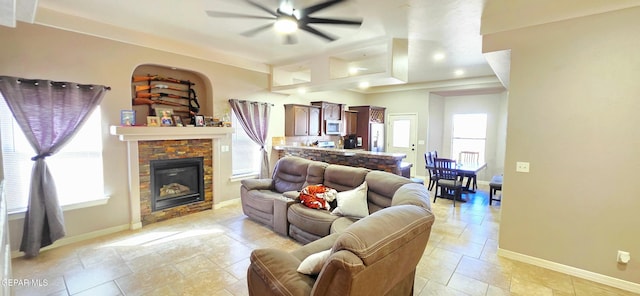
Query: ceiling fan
286,19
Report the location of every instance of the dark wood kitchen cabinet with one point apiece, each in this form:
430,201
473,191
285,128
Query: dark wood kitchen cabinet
350,122
301,120
330,111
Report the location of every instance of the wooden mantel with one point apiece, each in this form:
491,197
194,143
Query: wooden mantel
143,133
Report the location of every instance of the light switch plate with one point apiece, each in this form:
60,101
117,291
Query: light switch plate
522,167
224,148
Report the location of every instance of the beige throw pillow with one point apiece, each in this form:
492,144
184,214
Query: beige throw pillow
312,265
353,203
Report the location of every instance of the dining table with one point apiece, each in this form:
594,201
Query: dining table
467,169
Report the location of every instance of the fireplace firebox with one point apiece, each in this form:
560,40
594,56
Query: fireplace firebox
176,182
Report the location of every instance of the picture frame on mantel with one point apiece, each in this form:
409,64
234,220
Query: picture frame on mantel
199,120
177,120
153,121
127,117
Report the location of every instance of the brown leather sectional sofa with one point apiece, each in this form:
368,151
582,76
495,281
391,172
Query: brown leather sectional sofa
273,201
374,255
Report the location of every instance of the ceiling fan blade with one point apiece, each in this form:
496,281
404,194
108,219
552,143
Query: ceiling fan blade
238,15
314,20
261,7
256,30
311,9
290,39
317,33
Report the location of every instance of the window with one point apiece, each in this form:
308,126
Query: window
401,130
245,157
469,134
77,167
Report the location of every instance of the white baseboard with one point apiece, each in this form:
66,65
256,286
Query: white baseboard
77,238
226,203
136,225
581,273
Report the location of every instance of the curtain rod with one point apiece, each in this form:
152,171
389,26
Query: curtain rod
56,83
252,102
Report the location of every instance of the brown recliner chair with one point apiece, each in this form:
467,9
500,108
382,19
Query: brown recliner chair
377,255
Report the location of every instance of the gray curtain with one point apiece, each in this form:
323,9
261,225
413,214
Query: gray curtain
49,114
254,118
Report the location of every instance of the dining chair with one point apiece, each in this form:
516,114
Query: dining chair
471,157
448,181
429,161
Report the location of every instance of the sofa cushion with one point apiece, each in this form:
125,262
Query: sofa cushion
353,203
344,178
261,200
290,174
382,186
317,222
315,173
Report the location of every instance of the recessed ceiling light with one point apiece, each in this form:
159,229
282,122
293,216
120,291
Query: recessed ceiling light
363,85
459,72
302,90
356,70
439,56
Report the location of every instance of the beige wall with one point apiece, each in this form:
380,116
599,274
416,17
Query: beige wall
33,51
572,113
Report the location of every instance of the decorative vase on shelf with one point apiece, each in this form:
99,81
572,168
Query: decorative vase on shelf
226,120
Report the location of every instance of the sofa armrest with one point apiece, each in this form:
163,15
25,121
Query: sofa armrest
258,184
274,272
280,221
291,194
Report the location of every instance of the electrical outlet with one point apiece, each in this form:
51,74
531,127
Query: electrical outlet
522,167
623,257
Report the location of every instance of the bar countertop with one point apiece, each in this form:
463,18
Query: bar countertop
345,152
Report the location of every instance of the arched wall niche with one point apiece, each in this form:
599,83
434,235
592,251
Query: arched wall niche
202,87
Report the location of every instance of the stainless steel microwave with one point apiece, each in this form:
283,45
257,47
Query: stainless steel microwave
333,127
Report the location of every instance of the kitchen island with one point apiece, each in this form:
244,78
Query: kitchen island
383,161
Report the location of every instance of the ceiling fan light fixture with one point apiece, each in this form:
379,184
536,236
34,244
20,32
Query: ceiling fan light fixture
286,25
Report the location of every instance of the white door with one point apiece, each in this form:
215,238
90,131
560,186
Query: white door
402,134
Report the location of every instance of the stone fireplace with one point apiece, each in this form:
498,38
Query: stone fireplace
147,145
173,157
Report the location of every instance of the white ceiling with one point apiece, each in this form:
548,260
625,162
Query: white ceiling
451,27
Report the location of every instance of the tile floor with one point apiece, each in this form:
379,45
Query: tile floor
207,254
